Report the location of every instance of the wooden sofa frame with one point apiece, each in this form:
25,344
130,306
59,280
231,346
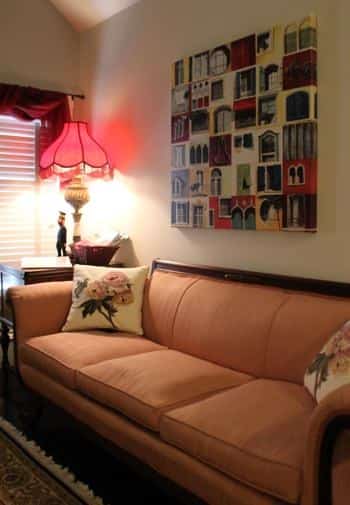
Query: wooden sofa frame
333,430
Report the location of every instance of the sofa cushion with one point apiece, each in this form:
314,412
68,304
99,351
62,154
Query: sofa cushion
144,386
224,321
61,354
255,433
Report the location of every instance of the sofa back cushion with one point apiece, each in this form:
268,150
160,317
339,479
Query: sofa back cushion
263,331
227,323
300,329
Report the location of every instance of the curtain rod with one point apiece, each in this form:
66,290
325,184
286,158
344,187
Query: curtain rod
72,95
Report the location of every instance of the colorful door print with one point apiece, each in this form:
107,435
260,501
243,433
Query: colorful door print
237,219
250,219
244,133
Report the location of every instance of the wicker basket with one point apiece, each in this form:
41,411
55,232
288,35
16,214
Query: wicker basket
98,255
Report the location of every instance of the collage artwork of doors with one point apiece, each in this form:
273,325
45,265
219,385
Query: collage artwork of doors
244,133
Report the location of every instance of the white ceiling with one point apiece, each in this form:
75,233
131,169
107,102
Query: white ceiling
84,14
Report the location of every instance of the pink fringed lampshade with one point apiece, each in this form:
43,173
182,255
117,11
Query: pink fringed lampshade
74,152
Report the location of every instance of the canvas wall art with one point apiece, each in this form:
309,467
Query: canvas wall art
244,133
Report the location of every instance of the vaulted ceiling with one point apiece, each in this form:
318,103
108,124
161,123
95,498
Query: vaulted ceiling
84,14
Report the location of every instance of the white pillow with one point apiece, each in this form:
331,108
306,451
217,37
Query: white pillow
330,369
107,298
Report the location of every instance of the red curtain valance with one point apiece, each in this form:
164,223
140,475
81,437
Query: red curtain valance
27,103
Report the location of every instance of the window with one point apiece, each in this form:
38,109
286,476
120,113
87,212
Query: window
205,153
245,141
269,178
182,213
27,220
215,182
269,78
179,72
199,154
179,156
298,106
178,187
217,90
223,119
270,211
225,207
192,155
200,66
300,141
268,146
179,128
300,174
243,179
245,114
307,34
220,150
219,60
248,142
296,211
180,99
245,83
267,110
198,216
302,37
292,176
200,180
291,39
211,218
238,141
200,121
264,42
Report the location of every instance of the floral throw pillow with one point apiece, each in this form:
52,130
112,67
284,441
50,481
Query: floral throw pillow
331,367
107,298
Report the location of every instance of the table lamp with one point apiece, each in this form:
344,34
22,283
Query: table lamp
72,155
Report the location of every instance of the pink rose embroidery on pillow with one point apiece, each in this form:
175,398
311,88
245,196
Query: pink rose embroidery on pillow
106,298
104,295
331,367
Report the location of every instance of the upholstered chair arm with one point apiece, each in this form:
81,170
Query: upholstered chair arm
39,309
328,421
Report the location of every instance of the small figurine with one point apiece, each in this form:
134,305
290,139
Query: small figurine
61,235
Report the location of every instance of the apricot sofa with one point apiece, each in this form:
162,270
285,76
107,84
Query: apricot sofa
212,396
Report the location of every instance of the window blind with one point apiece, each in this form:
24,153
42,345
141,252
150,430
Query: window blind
24,230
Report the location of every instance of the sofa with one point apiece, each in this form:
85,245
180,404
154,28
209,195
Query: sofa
212,396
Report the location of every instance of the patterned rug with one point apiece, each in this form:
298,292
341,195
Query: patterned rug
29,477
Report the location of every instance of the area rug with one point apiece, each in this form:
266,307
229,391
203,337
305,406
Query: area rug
30,477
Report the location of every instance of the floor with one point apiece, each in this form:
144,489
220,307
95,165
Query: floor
112,480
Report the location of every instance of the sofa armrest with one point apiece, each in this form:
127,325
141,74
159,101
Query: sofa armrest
39,309
328,421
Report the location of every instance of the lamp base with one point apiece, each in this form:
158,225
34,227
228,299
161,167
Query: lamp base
76,231
77,195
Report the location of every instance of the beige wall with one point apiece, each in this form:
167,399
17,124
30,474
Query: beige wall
37,46
125,72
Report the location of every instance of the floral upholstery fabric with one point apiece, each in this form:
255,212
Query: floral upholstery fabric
331,367
107,298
